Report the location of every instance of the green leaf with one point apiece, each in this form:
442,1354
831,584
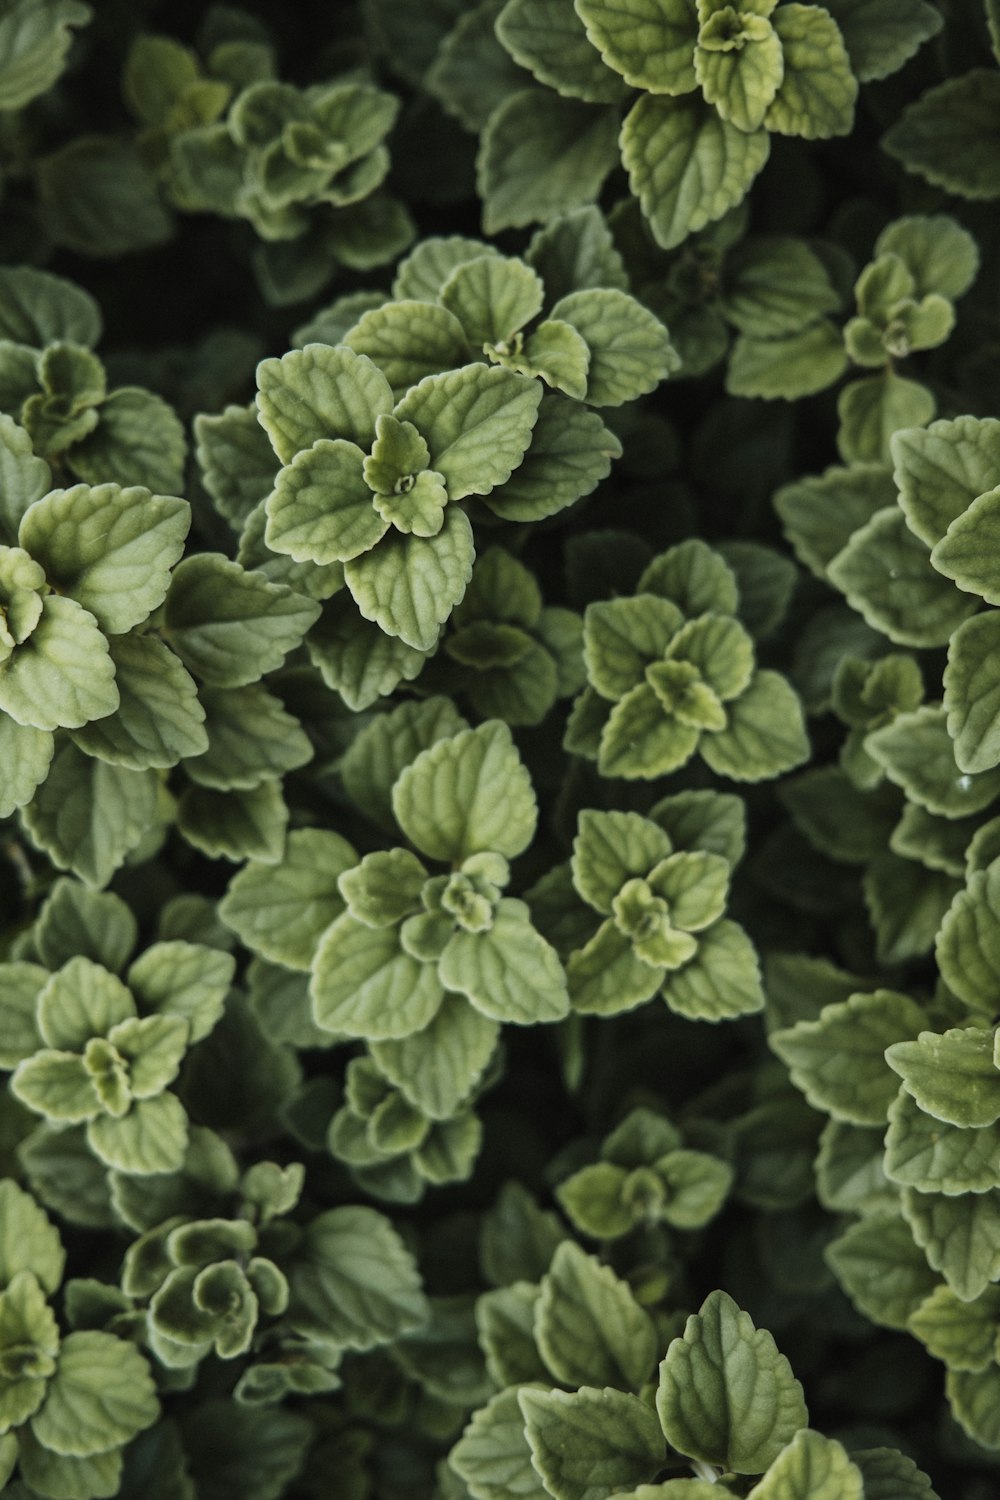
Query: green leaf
630,350
715,821
588,1444
259,1451
952,1076
61,676
923,1153
886,574
79,1478
356,658
941,469
881,35
476,421
20,1037
639,740
28,1241
818,90
282,910
687,166
968,943
409,584
881,1269
365,985
776,285
973,1398
812,1467
940,255
964,553
385,747
189,980
541,155
589,1327
159,719
492,296
765,735
302,522
235,459
621,637
98,198
972,693
548,38
726,1395
889,1475
906,903
81,1000
408,340
840,1062
950,135
472,73
571,452
819,513
918,755
963,1334
101,1395
138,440
231,626
651,44
234,825
40,308
25,753
353,1281
592,1201
58,1086
721,981
510,972
251,739
24,477
611,848
493,1456
787,366
467,794
959,1236
872,409
151,1138
88,816
437,1068
320,392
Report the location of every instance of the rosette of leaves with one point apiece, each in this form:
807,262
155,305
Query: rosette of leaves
672,672
303,166
85,567
372,483
84,1055
421,957
69,1403
55,387
727,1408
395,1149
209,1283
458,300
660,927
507,653
644,1176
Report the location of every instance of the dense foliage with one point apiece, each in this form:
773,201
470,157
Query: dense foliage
500,750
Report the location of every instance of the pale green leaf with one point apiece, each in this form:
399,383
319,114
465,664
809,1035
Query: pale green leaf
62,676
630,349
493,1456
229,625
650,42
881,35
787,366
541,155
571,452
321,510
365,985
138,440
235,459
159,719
356,658
88,816
589,1327
548,38
917,754
110,549
101,1395
467,794
409,584
282,910
510,972
28,1241
941,469
251,739
437,1068
56,1085
924,1153
818,90
960,1237
408,340
320,392
966,552
819,513
883,1272
839,1061
611,848
963,1334
726,1395
25,753
150,1139
952,1075
812,1467
874,408
189,980
476,421
387,745
588,1444
968,944
353,1281
765,735
722,980
890,1475
687,166
885,573
492,297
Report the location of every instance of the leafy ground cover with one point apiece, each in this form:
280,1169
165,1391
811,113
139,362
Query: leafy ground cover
500,750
